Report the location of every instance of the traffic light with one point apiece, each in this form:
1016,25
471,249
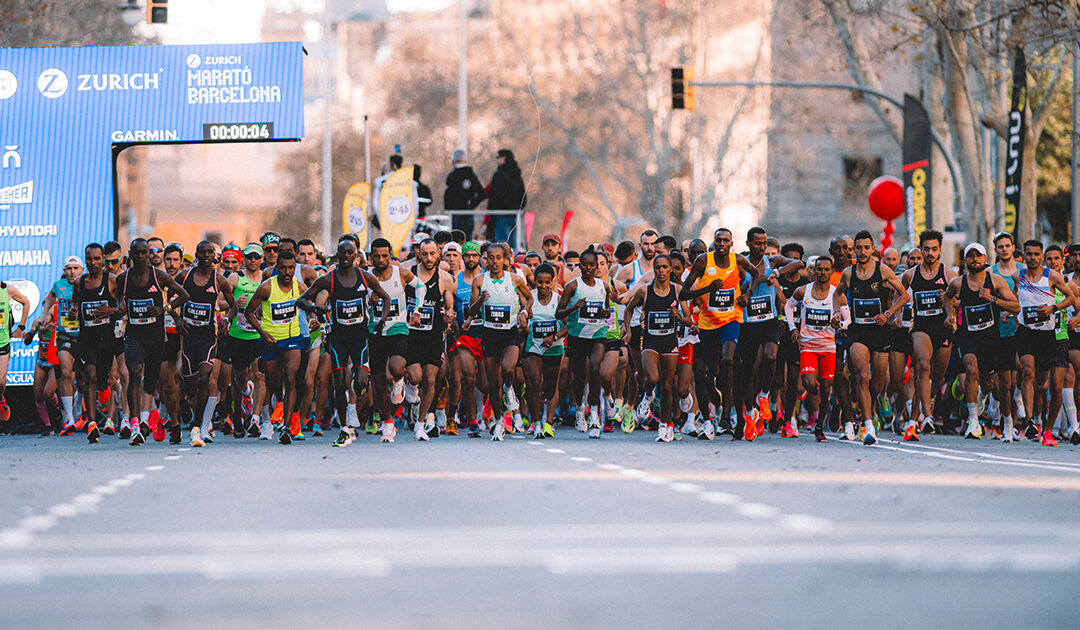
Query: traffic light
682,93
157,11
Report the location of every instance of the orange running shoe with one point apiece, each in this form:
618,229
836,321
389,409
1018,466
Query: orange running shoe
750,431
157,427
451,427
1048,439
487,414
80,422
5,411
295,428
911,434
278,413
763,406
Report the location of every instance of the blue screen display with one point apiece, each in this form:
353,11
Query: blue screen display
63,109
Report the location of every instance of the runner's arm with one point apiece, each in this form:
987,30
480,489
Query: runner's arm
1006,299
307,299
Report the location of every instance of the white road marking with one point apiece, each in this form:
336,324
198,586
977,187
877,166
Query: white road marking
170,457
104,489
135,476
121,483
581,459
154,468
719,498
757,510
609,467
686,488
555,450
971,456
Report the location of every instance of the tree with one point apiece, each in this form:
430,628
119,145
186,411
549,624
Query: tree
31,23
968,42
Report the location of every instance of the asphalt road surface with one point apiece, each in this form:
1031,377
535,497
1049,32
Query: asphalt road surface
620,532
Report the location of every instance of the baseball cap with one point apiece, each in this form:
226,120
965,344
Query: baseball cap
451,246
471,246
1072,249
270,239
418,238
189,258
253,248
73,260
231,253
974,247
552,237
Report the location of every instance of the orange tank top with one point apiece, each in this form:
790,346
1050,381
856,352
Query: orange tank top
719,308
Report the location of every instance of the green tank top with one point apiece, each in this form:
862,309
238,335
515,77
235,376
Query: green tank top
1061,325
279,317
240,328
5,315
614,330
590,321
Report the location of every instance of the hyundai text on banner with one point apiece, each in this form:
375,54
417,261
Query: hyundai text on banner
62,110
916,156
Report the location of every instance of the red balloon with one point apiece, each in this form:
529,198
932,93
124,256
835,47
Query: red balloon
886,198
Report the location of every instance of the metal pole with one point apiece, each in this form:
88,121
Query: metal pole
367,153
950,161
463,78
1075,148
327,154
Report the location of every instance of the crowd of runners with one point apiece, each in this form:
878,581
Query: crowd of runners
275,340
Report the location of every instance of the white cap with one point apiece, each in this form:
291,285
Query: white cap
451,246
974,246
72,260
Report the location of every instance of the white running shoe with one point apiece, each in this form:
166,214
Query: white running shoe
429,423
594,424
351,419
849,431
708,431
418,431
927,426
519,424
686,403
412,393
665,433
388,432
266,429
498,430
397,393
644,408
689,428
196,438
579,423
611,408
974,429
538,431
511,398
440,418
871,437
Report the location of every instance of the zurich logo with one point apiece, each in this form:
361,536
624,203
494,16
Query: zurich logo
52,83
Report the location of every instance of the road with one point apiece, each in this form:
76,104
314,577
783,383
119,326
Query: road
620,532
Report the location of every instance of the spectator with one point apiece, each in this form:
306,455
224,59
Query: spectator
422,193
506,192
463,192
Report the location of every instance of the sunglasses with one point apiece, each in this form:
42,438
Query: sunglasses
252,256
112,261
156,250
570,265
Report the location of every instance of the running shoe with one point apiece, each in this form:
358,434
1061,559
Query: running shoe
538,431
974,430
103,402
870,438
911,434
285,437
412,394
68,429
397,392
372,427
5,410
1032,430
451,427
763,406
708,432
253,428
819,433
750,430
927,426
1048,439
511,398
108,428
80,421
137,438
594,424
474,430
196,438
498,428
388,431
157,427
579,417
665,433
431,426
549,430
266,431
849,432
208,437
316,428
644,408
628,422
344,438
518,426
1074,437
246,408
419,434
884,407
174,434
689,428
125,429
686,404
789,430
440,418
92,433
278,414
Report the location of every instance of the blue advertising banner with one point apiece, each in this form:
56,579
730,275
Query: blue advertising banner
63,109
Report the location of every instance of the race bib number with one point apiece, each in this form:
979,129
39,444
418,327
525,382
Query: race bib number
660,323
283,312
139,312
349,312
759,309
242,323
863,311
928,304
427,318
197,313
544,328
87,308
395,309
67,322
722,300
1033,318
979,317
816,319
497,316
594,313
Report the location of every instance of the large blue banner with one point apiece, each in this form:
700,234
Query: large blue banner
63,109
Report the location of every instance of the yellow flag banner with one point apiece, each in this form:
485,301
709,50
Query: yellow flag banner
397,207
354,212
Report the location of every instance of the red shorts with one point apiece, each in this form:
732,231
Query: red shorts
472,344
686,354
821,363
